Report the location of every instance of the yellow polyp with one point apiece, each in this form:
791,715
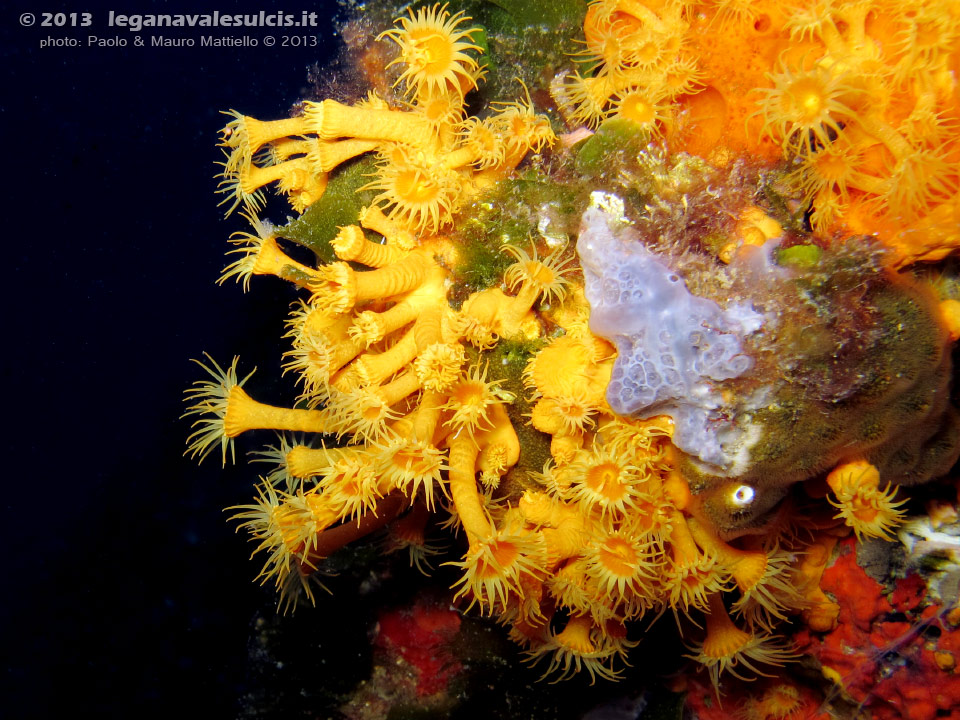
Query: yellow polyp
601,480
434,49
561,368
427,415
754,228
426,330
330,120
401,387
444,110
515,310
576,635
335,290
351,245
421,194
463,488
303,188
848,476
409,465
724,639
251,134
244,413
325,155
314,320
677,490
285,148
372,218
252,178
564,541
684,547
820,614
372,369
345,380
498,313
438,365
304,462
546,418
493,464
501,433
539,508
394,279
564,447
341,353
746,567
271,260
863,506
371,327
470,399
460,157
350,485
950,316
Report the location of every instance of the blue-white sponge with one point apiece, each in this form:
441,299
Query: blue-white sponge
674,348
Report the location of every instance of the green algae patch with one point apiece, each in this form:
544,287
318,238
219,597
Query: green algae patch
799,256
542,12
530,210
340,205
615,138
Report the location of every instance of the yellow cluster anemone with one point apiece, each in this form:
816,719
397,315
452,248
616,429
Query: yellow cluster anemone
869,120
434,49
636,66
429,401
859,98
431,155
869,510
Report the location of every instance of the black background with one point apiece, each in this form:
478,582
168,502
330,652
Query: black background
125,593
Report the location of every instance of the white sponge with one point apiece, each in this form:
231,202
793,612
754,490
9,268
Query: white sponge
674,347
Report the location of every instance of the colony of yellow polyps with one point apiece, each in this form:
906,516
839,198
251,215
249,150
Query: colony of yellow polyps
606,531
861,97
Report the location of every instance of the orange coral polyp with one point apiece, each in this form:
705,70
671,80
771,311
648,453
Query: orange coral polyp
244,414
352,485
324,156
438,365
863,506
260,255
726,647
804,108
622,565
574,649
496,568
646,110
462,479
350,244
481,138
605,481
747,567
434,49
245,135
411,465
340,287
724,639
470,400
304,462
420,197
331,120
